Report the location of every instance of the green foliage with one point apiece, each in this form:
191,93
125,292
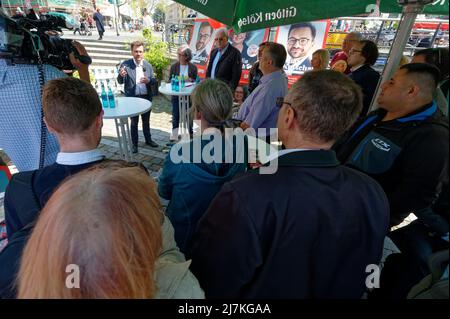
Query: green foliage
156,53
91,76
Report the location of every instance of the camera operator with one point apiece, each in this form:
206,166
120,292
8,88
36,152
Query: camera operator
20,119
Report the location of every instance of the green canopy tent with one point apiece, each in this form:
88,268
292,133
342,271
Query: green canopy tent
248,15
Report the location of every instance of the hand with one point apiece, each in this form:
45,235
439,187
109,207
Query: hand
123,72
82,51
145,80
244,126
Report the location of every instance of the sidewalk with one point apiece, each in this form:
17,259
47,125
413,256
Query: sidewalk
110,35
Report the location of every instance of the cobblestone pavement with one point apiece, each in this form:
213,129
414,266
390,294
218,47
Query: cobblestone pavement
160,126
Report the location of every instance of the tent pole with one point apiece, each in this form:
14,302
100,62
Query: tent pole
409,15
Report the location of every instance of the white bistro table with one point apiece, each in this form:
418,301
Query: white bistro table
126,107
183,103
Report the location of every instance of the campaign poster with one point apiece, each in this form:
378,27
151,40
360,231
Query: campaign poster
301,40
248,44
202,43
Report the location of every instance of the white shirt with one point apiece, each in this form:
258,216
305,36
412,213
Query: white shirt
356,68
79,158
141,88
184,70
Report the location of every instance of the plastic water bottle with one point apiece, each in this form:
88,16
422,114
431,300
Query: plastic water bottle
172,82
177,85
112,102
197,80
104,97
182,83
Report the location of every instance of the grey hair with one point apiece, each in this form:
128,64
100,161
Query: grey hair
222,31
327,103
213,98
186,51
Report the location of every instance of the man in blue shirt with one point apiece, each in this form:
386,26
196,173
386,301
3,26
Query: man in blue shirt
20,119
260,108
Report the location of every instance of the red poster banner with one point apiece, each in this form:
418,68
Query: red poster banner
202,43
301,40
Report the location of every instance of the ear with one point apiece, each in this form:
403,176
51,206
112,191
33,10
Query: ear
99,118
413,91
290,118
50,129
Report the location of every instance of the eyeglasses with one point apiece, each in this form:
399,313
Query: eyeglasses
301,41
280,101
204,36
220,39
353,50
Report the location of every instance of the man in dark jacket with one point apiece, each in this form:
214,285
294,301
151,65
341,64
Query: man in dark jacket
362,56
137,76
404,146
225,61
310,229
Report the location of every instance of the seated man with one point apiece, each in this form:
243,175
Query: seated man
310,229
404,146
260,110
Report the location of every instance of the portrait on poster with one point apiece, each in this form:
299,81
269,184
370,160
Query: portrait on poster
248,43
300,41
201,42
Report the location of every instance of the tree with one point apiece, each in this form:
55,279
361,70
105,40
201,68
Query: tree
159,16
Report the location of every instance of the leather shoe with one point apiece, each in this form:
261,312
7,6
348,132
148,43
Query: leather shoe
151,143
134,149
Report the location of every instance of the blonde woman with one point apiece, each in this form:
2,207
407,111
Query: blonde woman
103,227
320,59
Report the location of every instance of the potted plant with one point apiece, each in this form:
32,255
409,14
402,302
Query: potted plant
156,54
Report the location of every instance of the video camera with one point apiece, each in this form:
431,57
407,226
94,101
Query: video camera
24,40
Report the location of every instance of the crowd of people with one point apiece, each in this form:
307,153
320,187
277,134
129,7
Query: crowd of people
309,229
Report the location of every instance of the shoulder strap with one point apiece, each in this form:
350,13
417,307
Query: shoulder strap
43,126
25,199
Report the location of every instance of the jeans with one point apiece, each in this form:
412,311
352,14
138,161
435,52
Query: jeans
175,112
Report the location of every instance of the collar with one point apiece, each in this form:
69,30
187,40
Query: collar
356,68
137,65
308,158
421,114
266,78
224,50
79,158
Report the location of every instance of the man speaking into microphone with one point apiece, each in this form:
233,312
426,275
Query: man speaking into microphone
137,76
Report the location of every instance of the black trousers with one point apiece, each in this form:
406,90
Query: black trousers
145,126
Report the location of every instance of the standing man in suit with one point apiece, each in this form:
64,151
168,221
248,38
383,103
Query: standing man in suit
226,62
137,75
362,56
